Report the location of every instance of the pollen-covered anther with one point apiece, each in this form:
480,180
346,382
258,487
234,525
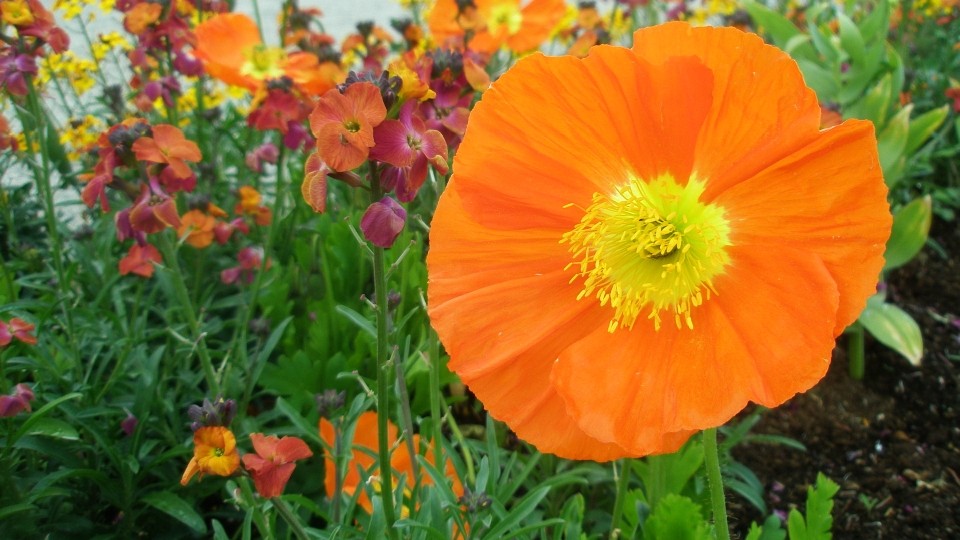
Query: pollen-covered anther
649,247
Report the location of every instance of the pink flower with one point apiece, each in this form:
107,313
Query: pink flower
383,221
19,401
410,147
16,328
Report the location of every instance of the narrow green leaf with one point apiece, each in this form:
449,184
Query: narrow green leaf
892,143
518,513
911,226
177,508
38,414
57,429
357,319
894,328
850,39
924,126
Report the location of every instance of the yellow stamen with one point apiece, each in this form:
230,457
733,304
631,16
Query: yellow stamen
263,62
506,16
649,247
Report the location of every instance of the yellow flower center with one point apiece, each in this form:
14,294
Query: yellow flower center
649,247
505,16
263,62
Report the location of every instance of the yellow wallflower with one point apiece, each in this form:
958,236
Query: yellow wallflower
69,9
16,12
77,71
81,135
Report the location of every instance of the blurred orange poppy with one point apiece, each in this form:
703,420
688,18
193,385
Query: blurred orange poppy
496,23
230,47
662,237
363,452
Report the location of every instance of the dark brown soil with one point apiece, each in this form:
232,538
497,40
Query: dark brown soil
892,441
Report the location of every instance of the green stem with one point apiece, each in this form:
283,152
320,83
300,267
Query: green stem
406,416
623,481
384,373
657,477
855,353
711,458
183,296
41,178
291,519
435,413
462,442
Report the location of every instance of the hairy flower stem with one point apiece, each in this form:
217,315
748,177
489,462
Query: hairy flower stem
384,372
623,480
711,458
855,354
183,296
295,526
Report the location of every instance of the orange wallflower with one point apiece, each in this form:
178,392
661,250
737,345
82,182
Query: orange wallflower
140,260
168,145
198,227
365,436
215,452
497,23
141,16
343,124
663,237
273,462
230,47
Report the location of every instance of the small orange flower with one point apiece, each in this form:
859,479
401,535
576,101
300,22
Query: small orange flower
16,12
140,260
497,23
168,145
684,240
362,457
140,16
198,228
214,452
273,462
343,124
18,329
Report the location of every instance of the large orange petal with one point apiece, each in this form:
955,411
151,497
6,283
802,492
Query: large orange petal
761,109
553,131
767,335
540,17
222,42
829,199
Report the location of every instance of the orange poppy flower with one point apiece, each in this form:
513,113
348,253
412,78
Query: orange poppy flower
273,462
365,437
215,452
231,50
497,23
682,240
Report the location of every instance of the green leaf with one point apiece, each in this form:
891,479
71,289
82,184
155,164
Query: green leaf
877,23
177,508
874,104
892,143
771,530
357,319
57,429
518,513
819,520
894,328
779,28
676,518
911,226
38,415
822,80
850,39
924,126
